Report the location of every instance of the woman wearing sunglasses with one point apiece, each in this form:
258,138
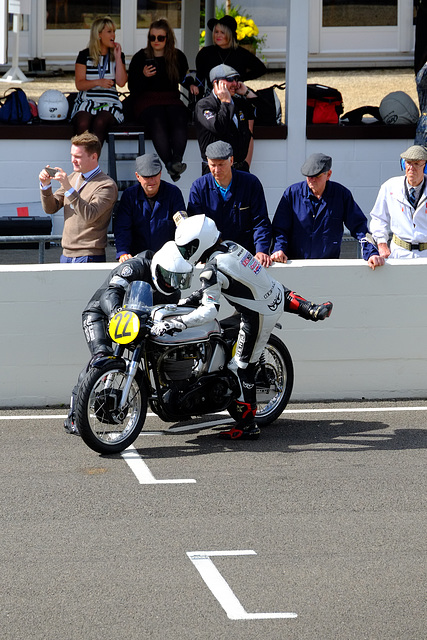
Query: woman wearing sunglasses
154,75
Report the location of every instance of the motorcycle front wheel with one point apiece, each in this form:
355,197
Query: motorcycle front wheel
103,426
274,379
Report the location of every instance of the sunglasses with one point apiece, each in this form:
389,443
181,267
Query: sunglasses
152,38
231,78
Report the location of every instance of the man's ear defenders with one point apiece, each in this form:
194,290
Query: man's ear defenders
403,165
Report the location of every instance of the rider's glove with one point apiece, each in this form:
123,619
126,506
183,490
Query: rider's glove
113,313
169,325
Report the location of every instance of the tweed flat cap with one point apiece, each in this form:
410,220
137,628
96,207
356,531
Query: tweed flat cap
315,164
148,165
219,150
222,71
416,152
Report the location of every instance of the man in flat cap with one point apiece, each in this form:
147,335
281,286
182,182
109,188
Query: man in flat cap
400,209
226,114
235,200
144,218
310,217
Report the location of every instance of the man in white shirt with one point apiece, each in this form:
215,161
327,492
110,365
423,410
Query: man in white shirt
400,209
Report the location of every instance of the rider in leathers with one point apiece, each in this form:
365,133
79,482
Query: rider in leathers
259,299
108,299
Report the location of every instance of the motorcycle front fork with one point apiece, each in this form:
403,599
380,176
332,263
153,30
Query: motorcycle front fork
131,369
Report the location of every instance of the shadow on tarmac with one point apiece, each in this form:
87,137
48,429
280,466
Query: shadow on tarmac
297,436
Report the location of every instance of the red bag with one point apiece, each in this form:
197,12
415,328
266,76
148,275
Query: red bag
324,104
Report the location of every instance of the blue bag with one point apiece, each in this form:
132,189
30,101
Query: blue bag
15,108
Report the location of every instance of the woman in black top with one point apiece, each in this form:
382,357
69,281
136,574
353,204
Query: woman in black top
226,50
154,75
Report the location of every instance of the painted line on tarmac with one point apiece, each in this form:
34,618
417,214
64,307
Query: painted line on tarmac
221,590
358,410
285,412
143,473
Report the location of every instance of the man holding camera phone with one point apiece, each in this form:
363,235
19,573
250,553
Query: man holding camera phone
87,195
226,114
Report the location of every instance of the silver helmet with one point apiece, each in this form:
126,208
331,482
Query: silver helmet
195,235
169,270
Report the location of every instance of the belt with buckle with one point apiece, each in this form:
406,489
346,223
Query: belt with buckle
408,245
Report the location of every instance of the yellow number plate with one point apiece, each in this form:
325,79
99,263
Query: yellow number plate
124,327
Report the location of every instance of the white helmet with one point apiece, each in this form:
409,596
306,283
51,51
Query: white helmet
52,105
169,270
195,235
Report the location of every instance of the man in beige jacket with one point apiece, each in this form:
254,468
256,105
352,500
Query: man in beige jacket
87,195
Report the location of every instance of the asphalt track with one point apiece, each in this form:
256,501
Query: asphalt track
317,531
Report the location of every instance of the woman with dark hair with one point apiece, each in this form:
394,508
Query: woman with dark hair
154,75
97,71
226,50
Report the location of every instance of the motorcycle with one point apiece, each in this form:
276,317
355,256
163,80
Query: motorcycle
179,376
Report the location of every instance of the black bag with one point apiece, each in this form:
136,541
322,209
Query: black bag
267,106
15,108
355,116
324,104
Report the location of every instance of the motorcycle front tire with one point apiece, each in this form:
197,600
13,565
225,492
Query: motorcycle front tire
273,393
101,425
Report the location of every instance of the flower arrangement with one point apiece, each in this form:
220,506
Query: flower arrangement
247,31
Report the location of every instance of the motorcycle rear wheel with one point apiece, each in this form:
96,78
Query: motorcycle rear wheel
274,379
101,425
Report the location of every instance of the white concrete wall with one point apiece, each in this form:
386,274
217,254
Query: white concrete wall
361,165
371,347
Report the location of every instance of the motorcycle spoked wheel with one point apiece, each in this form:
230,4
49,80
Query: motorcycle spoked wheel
274,379
101,425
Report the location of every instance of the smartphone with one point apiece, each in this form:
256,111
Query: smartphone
51,171
150,62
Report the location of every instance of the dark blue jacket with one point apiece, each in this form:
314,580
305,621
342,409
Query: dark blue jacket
301,232
242,216
137,228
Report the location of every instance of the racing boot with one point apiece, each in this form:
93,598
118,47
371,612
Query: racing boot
245,427
69,422
306,309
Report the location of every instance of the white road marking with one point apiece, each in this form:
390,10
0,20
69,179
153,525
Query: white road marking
141,470
202,425
356,410
220,588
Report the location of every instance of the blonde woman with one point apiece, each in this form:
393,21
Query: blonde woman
154,75
226,50
97,71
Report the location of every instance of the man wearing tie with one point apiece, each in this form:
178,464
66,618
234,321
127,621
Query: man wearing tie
400,209
87,195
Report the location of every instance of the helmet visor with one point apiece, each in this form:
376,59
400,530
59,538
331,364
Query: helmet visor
174,280
188,250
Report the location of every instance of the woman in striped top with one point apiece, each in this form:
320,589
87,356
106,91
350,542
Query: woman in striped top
97,71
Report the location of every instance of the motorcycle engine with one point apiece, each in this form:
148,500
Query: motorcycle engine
181,363
188,387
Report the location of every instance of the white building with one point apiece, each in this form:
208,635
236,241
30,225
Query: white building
341,32
363,156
